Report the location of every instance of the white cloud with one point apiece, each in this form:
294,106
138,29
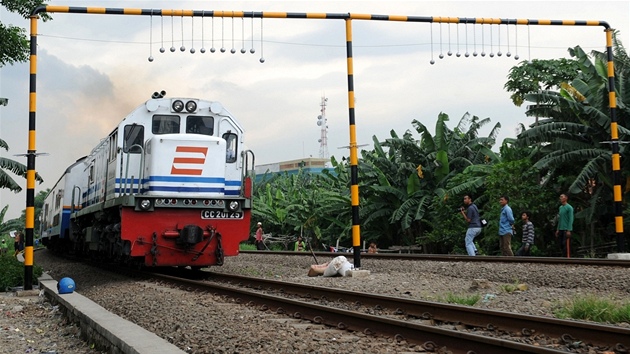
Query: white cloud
93,69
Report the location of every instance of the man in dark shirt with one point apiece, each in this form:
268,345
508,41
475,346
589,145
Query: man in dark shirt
471,215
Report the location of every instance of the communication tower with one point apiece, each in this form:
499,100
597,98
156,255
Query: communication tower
323,123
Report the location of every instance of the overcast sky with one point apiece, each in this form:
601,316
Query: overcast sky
94,69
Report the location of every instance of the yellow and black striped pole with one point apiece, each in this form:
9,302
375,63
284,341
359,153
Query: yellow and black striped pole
30,162
614,134
354,160
348,17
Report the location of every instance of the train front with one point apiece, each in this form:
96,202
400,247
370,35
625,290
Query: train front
192,204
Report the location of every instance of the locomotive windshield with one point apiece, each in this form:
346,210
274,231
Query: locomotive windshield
200,125
165,124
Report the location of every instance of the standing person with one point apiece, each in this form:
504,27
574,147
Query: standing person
21,243
471,215
565,225
16,243
259,237
528,235
506,227
300,246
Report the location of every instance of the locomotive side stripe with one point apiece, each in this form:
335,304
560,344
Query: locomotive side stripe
192,160
186,189
203,150
185,171
187,179
225,192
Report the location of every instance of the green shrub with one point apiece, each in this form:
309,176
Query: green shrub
276,247
12,272
593,308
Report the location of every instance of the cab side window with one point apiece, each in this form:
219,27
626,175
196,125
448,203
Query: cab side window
134,135
230,147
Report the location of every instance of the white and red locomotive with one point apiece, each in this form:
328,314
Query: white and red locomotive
169,186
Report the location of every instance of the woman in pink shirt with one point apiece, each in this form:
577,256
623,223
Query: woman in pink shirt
259,237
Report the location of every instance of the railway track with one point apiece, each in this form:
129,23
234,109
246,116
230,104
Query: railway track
462,258
434,326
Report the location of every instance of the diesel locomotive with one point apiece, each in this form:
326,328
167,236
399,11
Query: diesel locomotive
171,185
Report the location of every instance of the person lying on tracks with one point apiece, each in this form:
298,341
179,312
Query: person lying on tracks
337,267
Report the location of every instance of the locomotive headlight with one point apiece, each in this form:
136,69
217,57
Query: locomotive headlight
144,204
233,206
191,106
178,105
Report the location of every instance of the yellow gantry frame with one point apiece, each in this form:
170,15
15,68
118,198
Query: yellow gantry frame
348,17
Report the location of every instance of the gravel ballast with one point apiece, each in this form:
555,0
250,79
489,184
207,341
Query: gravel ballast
202,323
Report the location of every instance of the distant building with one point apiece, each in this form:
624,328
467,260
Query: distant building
309,165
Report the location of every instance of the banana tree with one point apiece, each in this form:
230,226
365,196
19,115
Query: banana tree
8,165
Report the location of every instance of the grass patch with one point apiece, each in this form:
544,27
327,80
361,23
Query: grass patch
243,246
509,288
249,271
593,308
468,300
515,286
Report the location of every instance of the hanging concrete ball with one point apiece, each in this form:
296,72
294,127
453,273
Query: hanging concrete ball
172,49
432,62
252,50
212,50
243,50
182,48
262,60
222,50
192,50
202,50
162,50
151,58
232,50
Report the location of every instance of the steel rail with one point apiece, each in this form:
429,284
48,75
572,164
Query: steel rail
526,325
430,337
463,258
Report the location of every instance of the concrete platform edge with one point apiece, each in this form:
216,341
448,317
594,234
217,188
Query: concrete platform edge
619,256
107,331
